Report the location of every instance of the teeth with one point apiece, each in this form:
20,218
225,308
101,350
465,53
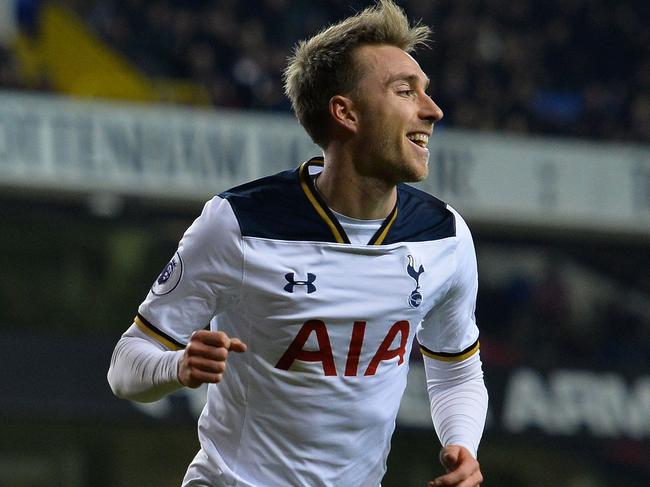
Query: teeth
419,138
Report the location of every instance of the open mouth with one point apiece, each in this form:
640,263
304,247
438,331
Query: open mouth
418,138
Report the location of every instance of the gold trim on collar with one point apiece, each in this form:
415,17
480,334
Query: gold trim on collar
306,187
390,220
324,212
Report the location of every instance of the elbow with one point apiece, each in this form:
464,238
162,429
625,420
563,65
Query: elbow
122,389
117,387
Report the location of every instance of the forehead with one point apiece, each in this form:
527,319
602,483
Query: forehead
382,63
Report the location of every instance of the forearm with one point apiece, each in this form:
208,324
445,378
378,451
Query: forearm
141,369
458,399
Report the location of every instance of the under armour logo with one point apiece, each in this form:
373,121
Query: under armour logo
415,299
292,282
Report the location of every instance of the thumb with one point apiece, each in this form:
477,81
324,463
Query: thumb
449,459
236,345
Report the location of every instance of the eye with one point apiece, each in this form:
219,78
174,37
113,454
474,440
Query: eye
406,92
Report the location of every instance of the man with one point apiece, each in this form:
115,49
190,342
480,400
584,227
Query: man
318,278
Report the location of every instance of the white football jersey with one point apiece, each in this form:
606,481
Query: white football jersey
329,326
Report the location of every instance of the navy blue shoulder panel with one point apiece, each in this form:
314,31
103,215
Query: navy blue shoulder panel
276,207
421,217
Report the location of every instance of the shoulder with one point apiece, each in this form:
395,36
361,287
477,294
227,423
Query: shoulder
462,229
466,266
266,190
276,207
261,204
213,236
421,217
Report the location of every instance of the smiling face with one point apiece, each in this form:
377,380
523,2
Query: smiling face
395,115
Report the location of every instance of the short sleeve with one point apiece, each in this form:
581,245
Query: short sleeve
449,331
203,276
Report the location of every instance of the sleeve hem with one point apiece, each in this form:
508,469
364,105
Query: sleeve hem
156,334
452,357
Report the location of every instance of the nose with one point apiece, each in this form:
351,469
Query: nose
430,111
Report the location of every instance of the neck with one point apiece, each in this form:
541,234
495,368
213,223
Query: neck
352,194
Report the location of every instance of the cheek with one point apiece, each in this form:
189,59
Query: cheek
389,128
382,131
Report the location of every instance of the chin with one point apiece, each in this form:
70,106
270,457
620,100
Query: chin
419,177
416,172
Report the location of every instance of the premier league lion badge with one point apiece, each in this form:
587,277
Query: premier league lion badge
169,277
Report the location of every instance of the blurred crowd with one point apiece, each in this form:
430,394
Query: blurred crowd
559,67
568,305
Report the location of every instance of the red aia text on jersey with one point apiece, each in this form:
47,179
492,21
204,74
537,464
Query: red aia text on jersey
324,352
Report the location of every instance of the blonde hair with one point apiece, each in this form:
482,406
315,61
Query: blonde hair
323,66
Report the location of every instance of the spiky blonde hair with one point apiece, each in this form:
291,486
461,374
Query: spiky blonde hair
323,66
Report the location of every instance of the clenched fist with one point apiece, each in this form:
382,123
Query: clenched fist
204,358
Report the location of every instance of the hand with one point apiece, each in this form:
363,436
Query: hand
462,468
204,358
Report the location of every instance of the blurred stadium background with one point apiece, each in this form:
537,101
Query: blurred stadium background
119,118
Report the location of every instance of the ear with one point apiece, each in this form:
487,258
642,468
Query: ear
343,113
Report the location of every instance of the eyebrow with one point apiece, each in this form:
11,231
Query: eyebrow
411,78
